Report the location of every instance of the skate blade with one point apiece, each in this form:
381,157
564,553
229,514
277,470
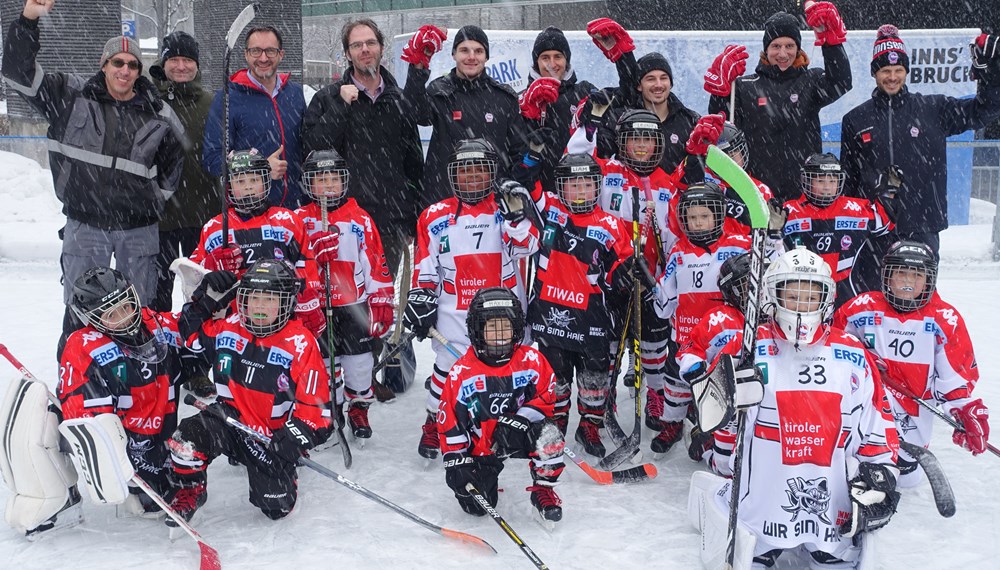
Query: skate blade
656,456
547,525
67,518
174,532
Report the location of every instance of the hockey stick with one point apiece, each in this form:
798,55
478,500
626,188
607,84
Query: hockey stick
444,341
643,472
331,474
17,364
383,391
478,496
744,186
944,497
631,445
611,425
209,556
332,349
242,21
390,356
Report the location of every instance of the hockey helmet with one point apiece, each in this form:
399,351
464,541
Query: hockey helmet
266,296
496,324
472,170
578,182
249,181
320,162
822,179
799,291
696,227
909,275
640,141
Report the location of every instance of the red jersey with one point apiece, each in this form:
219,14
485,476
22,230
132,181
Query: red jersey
476,394
360,270
714,330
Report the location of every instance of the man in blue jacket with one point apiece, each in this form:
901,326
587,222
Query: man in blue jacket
265,112
907,132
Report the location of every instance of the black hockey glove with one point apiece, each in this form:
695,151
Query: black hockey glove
595,107
542,138
984,49
510,200
873,499
460,470
216,290
421,311
291,440
889,185
512,436
223,410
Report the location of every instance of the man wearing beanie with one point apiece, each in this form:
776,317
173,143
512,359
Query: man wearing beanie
907,132
114,151
466,103
551,75
178,79
778,107
645,84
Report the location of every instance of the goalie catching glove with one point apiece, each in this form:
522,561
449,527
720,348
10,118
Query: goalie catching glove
873,499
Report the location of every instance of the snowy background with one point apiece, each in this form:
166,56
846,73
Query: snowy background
642,525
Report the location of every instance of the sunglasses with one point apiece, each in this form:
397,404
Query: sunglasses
119,63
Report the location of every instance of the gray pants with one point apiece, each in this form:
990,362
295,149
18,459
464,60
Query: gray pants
135,252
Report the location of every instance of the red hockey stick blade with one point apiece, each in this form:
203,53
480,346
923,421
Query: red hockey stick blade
467,538
635,474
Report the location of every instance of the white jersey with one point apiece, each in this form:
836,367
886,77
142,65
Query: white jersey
821,406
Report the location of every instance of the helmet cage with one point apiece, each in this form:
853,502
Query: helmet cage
718,208
631,131
472,192
126,322
250,203
913,256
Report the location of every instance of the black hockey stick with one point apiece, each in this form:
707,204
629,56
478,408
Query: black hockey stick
390,356
944,497
478,496
636,474
611,425
239,24
329,473
332,350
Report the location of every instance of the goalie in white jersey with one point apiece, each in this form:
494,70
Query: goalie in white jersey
819,445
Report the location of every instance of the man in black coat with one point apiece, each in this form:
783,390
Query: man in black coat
908,131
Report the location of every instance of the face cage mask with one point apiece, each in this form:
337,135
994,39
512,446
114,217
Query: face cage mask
908,305
800,326
473,192
586,205
331,201
734,293
644,166
821,201
740,148
707,237
252,203
491,353
127,326
286,306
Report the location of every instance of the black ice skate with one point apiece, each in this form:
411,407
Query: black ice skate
186,501
357,419
547,503
429,443
589,436
671,434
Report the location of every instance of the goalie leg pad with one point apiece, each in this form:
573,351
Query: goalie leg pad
38,474
708,511
99,446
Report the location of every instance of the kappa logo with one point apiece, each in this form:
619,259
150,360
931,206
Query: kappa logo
89,337
950,316
558,319
851,205
811,496
717,319
862,299
300,343
282,215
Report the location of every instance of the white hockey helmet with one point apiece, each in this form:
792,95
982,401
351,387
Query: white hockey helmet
799,293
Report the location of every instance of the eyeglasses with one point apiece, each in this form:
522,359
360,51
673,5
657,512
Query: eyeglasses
256,51
119,63
370,44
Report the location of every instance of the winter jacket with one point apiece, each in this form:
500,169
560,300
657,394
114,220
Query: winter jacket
198,196
559,117
114,163
779,113
909,130
379,141
458,109
258,121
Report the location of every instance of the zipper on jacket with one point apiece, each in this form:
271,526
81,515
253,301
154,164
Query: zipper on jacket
892,159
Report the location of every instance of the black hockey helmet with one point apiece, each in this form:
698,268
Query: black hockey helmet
711,196
243,164
572,167
821,166
320,162
636,124
472,169
733,142
733,278
495,303
915,256
267,281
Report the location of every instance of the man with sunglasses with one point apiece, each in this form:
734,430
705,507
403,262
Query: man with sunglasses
265,113
115,153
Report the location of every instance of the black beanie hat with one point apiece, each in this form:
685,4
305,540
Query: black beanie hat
474,33
889,49
653,61
179,44
782,25
551,38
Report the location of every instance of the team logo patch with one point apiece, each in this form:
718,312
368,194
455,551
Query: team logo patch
489,117
845,242
558,319
811,496
761,101
283,382
674,138
893,57
794,98
914,132
855,383
278,254
616,201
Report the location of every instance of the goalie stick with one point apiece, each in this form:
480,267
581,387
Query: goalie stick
331,474
636,474
944,498
478,496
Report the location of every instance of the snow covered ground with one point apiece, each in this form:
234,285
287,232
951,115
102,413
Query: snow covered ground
604,527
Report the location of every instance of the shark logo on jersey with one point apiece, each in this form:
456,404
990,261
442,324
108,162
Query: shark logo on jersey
558,319
809,495
904,422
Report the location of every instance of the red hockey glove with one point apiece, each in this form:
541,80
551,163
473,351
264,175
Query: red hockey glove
325,246
380,313
973,418
309,310
541,93
825,20
607,31
229,258
728,65
705,132
423,45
